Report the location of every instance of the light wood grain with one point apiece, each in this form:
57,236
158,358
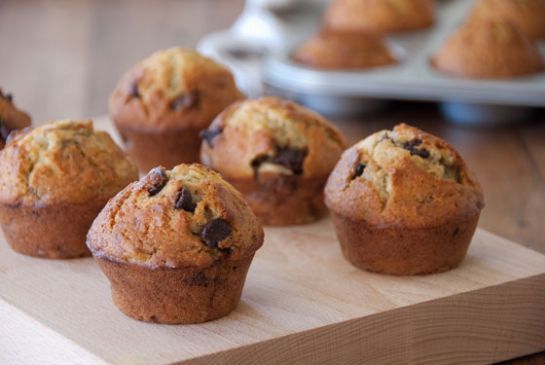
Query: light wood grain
302,304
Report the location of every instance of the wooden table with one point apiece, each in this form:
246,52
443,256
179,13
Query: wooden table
63,59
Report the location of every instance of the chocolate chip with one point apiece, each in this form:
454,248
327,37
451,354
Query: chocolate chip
8,96
424,153
133,90
291,158
359,169
186,101
412,145
215,231
4,130
209,134
157,179
185,201
257,161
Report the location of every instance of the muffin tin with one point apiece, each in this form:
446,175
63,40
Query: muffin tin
414,78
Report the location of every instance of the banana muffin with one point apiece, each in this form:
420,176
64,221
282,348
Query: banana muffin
344,50
278,154
528,15
380,16
176,245
403,202
488,50
162,103
54,180
11,118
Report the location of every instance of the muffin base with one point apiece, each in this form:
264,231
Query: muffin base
176,295
52,231
282,200
404,251
168,148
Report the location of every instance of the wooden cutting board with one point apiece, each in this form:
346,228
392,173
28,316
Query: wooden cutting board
302,304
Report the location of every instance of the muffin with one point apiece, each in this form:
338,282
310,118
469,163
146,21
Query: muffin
344,50
488,49
176,245
403,202
11,118
278,154
160,106
528,15
56,179
380,16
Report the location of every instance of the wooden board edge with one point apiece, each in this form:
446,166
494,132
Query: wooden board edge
486,326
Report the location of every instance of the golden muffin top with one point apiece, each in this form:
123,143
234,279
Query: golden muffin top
173,88
62,162
271,135
403,176
187,216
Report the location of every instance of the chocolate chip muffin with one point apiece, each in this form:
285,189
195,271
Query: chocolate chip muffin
380,16
403,202
528,15
344,50
162,103
176,245
488,50
11,118
278,154
54,180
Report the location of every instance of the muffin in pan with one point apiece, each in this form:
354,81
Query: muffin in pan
528,15
403,202
488,49
11,118
162,103
176,245
344,50
54,180
380,16
278,154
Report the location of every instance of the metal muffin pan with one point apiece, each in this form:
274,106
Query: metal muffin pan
466,101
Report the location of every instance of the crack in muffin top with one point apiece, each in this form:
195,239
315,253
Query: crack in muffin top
188,216
62,162
271,135
173,88
403,175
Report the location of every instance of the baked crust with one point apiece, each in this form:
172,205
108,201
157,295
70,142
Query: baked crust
54,180
344,50
488,49
176,296
403,202
172,94
176,245
277,153
147,229
379,16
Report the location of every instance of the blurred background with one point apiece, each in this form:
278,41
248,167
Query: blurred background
62,58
